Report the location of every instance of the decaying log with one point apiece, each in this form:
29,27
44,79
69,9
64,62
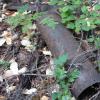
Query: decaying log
60,41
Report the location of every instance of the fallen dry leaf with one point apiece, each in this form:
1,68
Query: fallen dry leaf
2,41
49,72
1,79
36,97
44,98
22,70
2,97
30,91
25,42
11,88
34,26
73,98
8,73
10,13
14,67
1,19
7,35
47,53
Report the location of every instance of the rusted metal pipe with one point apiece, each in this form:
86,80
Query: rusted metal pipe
31,7
60,41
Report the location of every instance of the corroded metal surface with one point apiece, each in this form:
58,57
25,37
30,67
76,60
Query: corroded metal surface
60,41
31,7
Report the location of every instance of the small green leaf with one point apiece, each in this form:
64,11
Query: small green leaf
97,21
85,28
37,15
4,64
61,59
53,2
73,75
23,8
65,97
50,22
91,39
65,9
55,95
71,25
84,9
97,42
97,7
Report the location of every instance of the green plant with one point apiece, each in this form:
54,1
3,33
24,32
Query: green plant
64,79
49,22
4,64
95,40
78,14
22,19
25,20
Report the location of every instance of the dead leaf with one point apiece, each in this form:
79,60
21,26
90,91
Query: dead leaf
73,98
10,13
30,91
8,36
25,42
1,79
1,19
14,67
2,41
44,98
47,53
36,97
8,73
2,97
11,88
34,26
22,70
49,72
97,32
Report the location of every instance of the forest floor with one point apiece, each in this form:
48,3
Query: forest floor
26,63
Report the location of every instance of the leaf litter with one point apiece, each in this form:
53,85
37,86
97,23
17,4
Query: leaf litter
26,70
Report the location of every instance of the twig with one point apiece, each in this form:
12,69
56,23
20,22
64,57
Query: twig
43,75
94,97
80,41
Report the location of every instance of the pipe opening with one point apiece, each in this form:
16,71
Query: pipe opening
90,92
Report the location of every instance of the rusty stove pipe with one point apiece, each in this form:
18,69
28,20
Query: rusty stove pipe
60,41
